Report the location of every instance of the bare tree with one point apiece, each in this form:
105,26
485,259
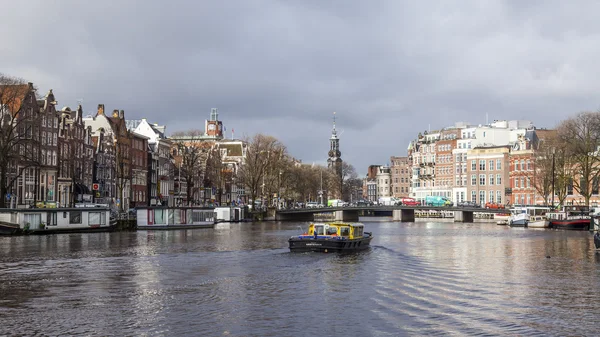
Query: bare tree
581,136
122,143
544,168
190,160
215,174
18,146
263,158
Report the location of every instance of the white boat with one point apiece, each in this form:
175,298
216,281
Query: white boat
160,217
528,216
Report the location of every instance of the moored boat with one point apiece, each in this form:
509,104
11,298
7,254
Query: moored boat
528,216
569,218
160,217
7,228
56,220
331,237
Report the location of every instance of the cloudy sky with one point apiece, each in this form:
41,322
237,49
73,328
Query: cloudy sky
388,68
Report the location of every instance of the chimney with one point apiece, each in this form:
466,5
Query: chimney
100,109
116,113
122,114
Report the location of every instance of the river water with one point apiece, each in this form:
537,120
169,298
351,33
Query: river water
423,278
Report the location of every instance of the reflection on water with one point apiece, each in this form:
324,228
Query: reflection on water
424,278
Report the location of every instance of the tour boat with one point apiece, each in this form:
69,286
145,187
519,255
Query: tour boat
331,237
569,218
161,217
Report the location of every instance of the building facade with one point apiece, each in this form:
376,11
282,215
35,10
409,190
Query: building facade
400,171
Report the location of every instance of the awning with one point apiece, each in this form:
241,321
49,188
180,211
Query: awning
82,189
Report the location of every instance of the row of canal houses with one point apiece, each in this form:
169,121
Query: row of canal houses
68,159
491,163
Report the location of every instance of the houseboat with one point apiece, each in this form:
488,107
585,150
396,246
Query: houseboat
570,218
161,217
331,237
57,220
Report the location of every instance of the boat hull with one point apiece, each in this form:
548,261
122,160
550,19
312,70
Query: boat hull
519,223
537,224
327,245
8,228
578,224
210,224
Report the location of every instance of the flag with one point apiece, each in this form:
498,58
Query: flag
232,130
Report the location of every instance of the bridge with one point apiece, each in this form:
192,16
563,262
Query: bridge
398,213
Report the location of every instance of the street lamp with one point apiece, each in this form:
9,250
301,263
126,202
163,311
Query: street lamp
553,150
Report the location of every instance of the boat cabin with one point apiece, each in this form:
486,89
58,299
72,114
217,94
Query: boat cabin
344,230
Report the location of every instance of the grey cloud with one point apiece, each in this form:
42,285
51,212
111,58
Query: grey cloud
388,68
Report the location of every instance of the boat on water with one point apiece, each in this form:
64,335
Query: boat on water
7,228
528,216
56,220
161,217
597,240
570,218
331,237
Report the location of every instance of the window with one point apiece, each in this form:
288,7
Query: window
517,182
75,217
522,165
498,164
473,180
491,196
473,196
498,179
528,168
473,165
482,179
491,182
482,165
522,182
516,165
482,197
498,197
491,164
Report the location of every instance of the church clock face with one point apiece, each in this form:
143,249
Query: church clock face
211,127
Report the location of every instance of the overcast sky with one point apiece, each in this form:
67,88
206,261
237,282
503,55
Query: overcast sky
388,68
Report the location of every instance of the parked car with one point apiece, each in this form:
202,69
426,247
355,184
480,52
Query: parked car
312,204
410,202
389,201
493,205
467,203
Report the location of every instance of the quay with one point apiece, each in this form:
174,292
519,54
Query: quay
398,213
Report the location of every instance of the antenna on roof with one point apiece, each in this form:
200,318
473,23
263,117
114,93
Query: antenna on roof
79,101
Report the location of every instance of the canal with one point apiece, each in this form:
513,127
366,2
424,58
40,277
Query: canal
423,278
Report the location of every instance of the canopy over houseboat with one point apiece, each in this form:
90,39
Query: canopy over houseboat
331,237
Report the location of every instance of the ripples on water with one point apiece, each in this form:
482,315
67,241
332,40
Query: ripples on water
240,280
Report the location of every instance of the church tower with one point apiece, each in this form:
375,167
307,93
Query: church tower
334,161
214,127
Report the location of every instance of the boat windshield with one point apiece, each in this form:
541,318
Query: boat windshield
345,231
320,230
332,231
